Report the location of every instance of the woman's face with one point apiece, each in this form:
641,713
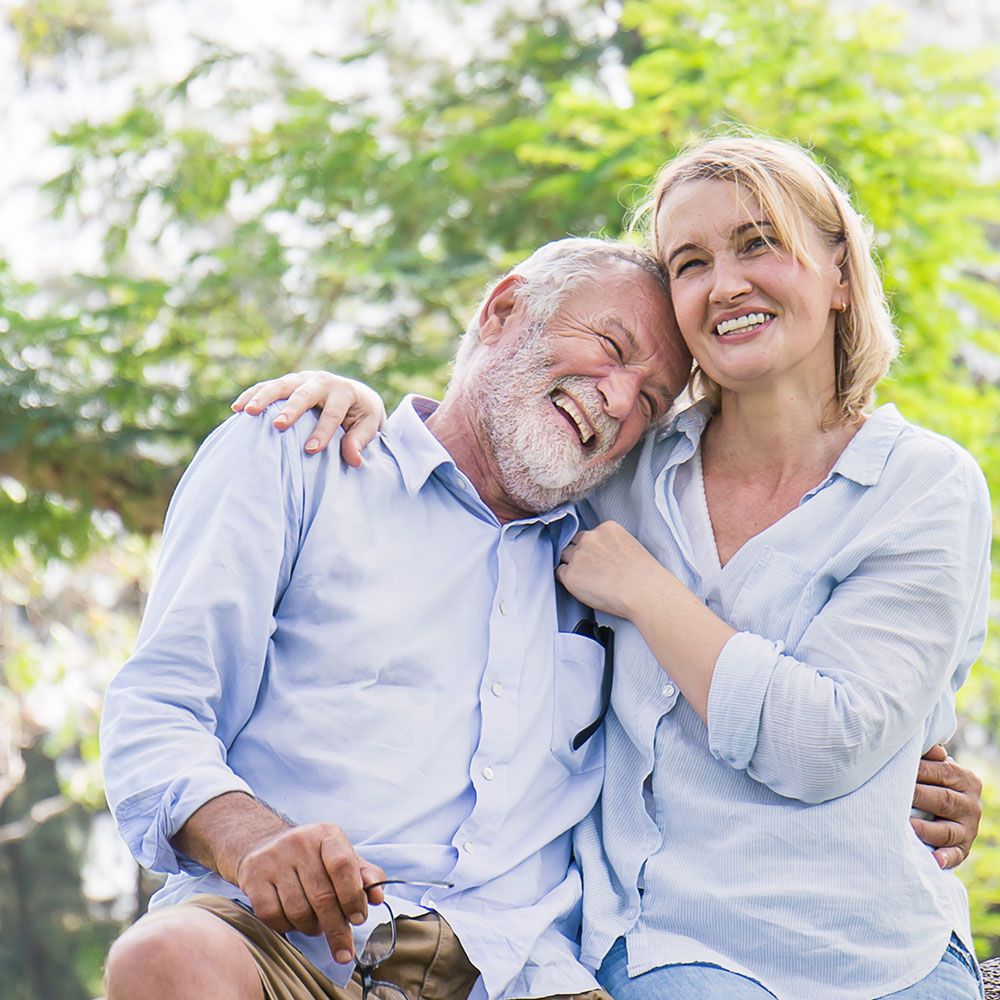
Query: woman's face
752,317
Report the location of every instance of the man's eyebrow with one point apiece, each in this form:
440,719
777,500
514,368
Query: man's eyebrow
624,332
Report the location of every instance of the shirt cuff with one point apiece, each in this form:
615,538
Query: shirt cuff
147,821
736,697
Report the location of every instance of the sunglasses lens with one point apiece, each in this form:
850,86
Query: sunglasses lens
377,948
383,991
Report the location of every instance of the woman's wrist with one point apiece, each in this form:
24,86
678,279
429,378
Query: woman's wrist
647,593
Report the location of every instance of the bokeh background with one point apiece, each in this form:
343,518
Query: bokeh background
198,193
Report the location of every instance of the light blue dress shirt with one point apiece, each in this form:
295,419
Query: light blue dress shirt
371,648
775,841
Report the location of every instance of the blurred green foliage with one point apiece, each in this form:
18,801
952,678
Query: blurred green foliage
252,223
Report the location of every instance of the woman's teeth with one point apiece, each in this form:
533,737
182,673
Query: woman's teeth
741,323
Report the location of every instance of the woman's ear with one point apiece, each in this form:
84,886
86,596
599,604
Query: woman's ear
498,307
842,296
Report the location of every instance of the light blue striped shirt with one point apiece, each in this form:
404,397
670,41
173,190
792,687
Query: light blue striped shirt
371,648
775,841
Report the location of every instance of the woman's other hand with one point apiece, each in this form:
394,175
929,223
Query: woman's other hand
950,793
345,403
609,570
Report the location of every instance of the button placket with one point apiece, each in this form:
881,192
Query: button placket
498,704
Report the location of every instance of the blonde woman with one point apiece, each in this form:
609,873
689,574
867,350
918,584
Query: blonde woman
798,583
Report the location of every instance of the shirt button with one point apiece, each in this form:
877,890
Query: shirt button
503,607
497,688
488,773
668,690
469,847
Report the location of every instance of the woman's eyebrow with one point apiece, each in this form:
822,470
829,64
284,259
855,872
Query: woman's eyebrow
756,227
682,249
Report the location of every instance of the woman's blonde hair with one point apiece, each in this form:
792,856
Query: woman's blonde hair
791,187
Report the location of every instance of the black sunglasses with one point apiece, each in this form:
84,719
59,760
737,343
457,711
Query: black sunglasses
605,635
381,944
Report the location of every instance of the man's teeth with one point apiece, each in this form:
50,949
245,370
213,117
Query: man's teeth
569,407
741,323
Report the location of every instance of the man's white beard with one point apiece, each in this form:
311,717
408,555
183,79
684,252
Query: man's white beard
539,466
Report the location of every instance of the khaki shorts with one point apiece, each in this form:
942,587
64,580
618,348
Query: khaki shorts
429,962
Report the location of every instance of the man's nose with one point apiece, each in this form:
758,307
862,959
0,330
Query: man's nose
620,390
729,281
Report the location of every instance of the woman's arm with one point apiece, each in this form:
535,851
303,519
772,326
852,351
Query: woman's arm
865,675
613,572
345,403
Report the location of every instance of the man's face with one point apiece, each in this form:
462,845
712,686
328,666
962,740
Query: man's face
563,404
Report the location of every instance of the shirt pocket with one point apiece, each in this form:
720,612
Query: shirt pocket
789,604
576,701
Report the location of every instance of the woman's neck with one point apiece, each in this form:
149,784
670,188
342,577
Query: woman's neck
776,435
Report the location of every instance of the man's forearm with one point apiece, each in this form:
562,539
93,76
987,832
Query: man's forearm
224,829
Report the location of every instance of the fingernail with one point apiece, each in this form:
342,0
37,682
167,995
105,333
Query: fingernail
312,444
356,918
342,957
281,418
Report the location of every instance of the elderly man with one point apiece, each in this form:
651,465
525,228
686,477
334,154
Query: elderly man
346,677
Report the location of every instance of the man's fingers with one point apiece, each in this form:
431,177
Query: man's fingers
949,857
298,910
369,874
938,833
949,774
267,907
936,752
942,802
345,873
331,919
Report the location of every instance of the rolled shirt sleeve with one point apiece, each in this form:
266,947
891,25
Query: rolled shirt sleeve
816,722
169,715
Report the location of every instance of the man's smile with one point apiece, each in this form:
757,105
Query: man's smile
576,416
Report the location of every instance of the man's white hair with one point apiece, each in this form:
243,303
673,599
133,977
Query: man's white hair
556,269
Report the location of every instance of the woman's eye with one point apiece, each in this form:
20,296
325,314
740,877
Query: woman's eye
759,243
686,266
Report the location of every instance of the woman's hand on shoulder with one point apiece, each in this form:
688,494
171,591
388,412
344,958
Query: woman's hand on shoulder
345,402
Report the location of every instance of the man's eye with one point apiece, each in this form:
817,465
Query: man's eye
615,348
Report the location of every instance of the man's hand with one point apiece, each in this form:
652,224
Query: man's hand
951,793
307,878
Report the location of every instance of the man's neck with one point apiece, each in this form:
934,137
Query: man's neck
455,426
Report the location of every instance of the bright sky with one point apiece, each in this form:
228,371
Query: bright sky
304,32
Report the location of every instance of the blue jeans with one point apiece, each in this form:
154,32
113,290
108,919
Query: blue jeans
955,977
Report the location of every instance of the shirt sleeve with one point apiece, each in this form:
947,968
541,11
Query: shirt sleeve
817,722
229,542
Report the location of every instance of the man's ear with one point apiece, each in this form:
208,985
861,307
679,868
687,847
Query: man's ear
497,308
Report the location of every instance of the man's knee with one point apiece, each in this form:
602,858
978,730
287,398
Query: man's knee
180,953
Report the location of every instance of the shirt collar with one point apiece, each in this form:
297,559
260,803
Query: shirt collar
419,454
862,461
867,452
416,451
